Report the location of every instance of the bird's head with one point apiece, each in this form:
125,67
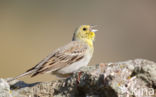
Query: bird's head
85,32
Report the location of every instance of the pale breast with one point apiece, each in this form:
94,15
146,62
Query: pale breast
77,65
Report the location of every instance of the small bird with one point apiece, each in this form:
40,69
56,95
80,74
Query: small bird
69,58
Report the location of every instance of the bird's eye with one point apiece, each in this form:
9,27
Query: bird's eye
84,29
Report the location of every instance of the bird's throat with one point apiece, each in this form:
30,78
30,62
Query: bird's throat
89,42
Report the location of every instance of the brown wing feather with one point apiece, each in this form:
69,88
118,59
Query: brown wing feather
72,52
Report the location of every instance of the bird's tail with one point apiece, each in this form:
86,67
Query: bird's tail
21,75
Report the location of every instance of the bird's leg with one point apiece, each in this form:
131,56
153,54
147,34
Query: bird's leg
102,67
79,75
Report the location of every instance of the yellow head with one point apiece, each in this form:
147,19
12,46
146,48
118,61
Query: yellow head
85,33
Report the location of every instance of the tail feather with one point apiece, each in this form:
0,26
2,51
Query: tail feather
21,75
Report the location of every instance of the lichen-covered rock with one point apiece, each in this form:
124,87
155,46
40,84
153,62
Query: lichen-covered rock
4,89
134,78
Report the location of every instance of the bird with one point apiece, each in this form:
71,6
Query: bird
68,59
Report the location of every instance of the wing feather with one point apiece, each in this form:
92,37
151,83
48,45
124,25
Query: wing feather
72,52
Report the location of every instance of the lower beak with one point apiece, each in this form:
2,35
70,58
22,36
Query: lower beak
94,30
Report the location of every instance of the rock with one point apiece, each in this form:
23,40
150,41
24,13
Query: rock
4,89
134,78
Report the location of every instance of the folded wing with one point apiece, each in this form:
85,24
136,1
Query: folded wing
72,52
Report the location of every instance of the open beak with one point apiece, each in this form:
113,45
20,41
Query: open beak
92,27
